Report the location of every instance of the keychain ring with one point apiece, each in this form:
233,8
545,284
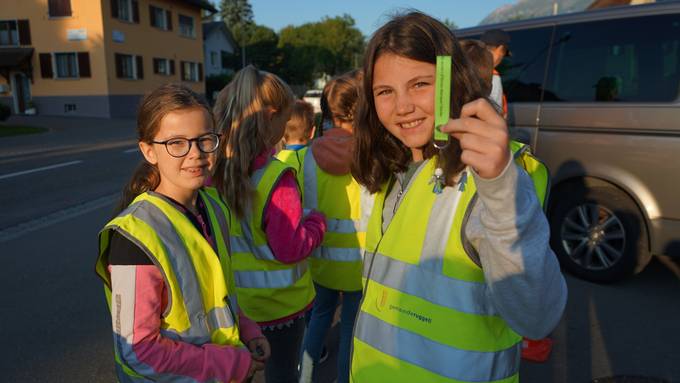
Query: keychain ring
442,147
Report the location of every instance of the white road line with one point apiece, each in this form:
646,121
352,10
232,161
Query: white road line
131,150
10,175
57,217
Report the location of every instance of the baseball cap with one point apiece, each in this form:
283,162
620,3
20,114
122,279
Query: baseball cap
497,37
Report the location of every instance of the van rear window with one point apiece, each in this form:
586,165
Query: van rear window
627,60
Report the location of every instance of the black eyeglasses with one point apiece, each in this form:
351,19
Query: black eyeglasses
180,147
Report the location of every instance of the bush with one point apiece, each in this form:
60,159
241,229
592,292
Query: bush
215,84
5,112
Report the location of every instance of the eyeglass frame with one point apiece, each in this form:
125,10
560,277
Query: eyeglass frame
191,141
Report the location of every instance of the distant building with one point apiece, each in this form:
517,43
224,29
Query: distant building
218,43
97,57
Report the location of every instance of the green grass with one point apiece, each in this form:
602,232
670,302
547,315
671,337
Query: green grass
17,130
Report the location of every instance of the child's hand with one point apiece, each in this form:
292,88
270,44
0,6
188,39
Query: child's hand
255,366
259,349
483,137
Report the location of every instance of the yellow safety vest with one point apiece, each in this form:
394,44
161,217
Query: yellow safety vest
290,157
425,315
336,264
201,308
267,289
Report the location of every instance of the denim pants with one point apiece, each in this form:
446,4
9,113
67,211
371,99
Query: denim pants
322,316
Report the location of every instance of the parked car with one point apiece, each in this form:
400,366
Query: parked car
595,94
313,96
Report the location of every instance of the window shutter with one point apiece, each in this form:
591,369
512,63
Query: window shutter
114,9
182,72
172,67
168,19
152,16
84,64
59,8
200,71
135,11
140,67
24,32
154,62
119,65
46,65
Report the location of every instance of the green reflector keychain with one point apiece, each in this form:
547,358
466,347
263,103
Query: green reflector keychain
442,98
442,113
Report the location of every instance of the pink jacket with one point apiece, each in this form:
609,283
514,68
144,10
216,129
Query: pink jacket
137,322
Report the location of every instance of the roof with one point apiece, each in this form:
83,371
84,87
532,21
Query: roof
203,4
14,57
214,26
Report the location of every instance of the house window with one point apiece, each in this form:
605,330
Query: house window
126,10
213,59
59,8
164,67
9,33
192,71
129,67
160,18
66,64
186,26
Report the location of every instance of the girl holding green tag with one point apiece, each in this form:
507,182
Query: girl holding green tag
457,266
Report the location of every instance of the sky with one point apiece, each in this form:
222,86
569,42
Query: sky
368,14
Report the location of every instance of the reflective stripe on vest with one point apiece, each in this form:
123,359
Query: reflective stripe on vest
197,290
267,288
421,318
341,251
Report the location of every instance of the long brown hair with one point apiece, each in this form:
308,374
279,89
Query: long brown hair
243,120
418,37
152,109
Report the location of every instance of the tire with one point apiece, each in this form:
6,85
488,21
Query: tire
598,233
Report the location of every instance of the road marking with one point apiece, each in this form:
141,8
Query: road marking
57,217
10,175
131,150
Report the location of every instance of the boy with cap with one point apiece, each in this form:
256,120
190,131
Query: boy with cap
497,41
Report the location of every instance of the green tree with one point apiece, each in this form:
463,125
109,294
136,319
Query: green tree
238,15
331,46
262,49
450,24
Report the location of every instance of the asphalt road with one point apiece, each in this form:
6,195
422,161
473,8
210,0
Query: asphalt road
58,189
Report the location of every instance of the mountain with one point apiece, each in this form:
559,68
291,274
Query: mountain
526,9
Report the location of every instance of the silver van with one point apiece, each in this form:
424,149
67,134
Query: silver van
595,94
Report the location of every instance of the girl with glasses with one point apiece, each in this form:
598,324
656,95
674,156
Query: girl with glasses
164,258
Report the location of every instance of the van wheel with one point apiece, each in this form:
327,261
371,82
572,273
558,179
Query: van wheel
598,234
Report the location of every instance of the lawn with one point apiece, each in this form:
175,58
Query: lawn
16,130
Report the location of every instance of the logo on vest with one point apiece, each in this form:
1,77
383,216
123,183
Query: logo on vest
381,300
411,314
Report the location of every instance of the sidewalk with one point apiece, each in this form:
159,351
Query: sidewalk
66,133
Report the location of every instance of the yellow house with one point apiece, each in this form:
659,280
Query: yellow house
97,57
